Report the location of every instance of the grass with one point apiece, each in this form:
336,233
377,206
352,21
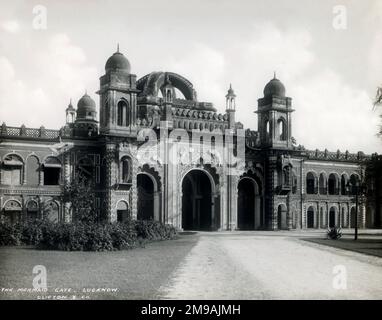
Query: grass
366,246
137,274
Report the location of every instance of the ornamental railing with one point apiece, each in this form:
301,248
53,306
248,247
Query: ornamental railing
337,156
6,131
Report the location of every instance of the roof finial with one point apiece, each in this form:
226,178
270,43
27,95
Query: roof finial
118,47
70,102
86,91
230,86
274,74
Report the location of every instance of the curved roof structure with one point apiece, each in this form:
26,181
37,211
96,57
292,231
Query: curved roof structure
151,83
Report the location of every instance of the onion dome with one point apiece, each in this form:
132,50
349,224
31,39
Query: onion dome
117,62
86,108
274,88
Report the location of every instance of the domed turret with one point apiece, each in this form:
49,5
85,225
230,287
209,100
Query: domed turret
117,62
274,88
86,108
70,106
230,99
70,113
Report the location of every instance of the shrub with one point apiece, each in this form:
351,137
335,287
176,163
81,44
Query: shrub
123,235
154,230
81,236
9,235
31,231
334,233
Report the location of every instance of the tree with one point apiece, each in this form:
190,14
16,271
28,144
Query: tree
79,194
378,97
373,174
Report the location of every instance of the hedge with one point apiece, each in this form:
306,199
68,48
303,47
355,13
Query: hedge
84,237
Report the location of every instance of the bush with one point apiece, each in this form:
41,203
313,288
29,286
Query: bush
81,236
9,235
334,233
154,230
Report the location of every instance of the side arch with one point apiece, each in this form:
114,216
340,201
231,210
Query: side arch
123,212
282,217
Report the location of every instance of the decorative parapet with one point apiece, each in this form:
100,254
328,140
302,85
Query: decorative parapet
337,156
24,132
199,114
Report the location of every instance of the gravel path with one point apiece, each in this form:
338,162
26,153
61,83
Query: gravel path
233,266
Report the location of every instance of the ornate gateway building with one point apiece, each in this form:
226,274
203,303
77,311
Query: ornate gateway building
159,153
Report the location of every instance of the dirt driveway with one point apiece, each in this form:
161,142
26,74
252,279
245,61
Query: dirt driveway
265,266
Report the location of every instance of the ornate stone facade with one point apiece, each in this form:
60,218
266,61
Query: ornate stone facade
159,153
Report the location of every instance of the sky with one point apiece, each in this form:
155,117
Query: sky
328,57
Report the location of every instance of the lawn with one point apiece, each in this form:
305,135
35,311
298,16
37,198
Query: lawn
136,274
366,246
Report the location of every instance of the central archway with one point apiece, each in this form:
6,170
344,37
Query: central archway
197,202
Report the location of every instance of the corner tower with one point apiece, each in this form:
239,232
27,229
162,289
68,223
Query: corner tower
118,97
274,116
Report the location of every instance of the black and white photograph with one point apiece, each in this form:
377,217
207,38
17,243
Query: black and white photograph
191,150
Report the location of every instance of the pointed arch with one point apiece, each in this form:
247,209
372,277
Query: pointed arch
33,170
311,183
12,169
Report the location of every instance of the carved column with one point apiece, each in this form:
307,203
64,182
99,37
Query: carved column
362,216
271,201
134,191
110,176
66,172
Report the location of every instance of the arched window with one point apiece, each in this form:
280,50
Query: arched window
311,183
52,170
323,184
353,182
32,210
51,211
33,171
281,129
212,143
123,118
12,170
333,184
267,128
12,211
201,141
126,170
